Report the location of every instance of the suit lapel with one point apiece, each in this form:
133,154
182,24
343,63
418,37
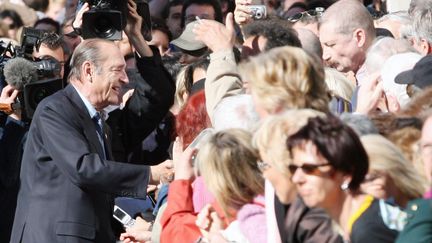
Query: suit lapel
88,125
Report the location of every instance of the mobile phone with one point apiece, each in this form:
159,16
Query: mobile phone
199,140
123,217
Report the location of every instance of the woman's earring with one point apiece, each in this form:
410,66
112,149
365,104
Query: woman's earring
344,186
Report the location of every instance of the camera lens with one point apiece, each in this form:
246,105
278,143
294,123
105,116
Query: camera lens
258,15
104,27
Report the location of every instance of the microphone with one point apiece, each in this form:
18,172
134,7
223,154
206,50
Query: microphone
19,72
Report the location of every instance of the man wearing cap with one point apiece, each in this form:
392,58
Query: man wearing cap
191,49
420,75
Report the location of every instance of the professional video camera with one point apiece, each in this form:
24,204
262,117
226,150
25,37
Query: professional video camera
35,79
107,19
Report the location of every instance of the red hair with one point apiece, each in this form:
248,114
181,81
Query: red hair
192,118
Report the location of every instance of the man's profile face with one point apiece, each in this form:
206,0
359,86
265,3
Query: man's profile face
174,20
57,54
203,11
107,81
340,51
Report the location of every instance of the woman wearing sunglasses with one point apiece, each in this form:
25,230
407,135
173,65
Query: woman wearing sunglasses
328,165
295,221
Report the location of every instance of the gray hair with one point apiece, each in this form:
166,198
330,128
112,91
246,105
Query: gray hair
88,50
423,24
361,124
382,49
235,112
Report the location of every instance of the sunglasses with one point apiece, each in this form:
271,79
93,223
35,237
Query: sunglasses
317,12
306,168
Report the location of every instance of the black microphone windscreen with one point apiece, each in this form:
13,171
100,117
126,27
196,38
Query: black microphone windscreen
19,71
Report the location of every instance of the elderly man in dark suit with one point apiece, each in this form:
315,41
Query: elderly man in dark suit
67,177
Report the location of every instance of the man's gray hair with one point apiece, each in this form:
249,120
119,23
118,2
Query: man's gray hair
236,111
423,24
88,50
382,49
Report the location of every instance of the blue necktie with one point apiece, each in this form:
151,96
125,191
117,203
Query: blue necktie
97,119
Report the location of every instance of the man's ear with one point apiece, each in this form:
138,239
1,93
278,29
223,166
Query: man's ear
86,71
360,36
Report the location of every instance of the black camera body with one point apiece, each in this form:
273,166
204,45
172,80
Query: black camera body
107,19
36,79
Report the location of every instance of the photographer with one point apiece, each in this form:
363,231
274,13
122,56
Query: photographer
13,133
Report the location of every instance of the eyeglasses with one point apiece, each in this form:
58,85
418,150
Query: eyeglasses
317,12
373,176
306,168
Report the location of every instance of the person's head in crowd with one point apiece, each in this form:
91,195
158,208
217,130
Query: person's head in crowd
172,14
397,95
56,10
309,42
361,124
98,71
13,20
263,35
235,111
51,44
394,22
71,6
346,31
228,164
270,139
307,20
419,76
328,165
161,36
191,49
204,9
192,118
192,76
47,24
422,28
391,176
381,50
285,78
338,84
71,38
37,5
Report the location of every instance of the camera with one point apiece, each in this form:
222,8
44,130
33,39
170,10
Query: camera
35,79
258,11
107,19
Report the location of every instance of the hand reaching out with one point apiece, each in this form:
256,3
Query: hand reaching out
77,23
183,169
215,35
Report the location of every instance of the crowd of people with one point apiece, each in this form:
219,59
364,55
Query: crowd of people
237,121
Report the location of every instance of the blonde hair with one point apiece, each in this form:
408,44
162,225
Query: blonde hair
181,88
270,138
338,84
286,77
386,157
228,164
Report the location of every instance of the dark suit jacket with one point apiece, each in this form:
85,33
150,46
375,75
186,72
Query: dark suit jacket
66,187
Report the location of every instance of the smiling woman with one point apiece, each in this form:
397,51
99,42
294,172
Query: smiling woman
328,165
